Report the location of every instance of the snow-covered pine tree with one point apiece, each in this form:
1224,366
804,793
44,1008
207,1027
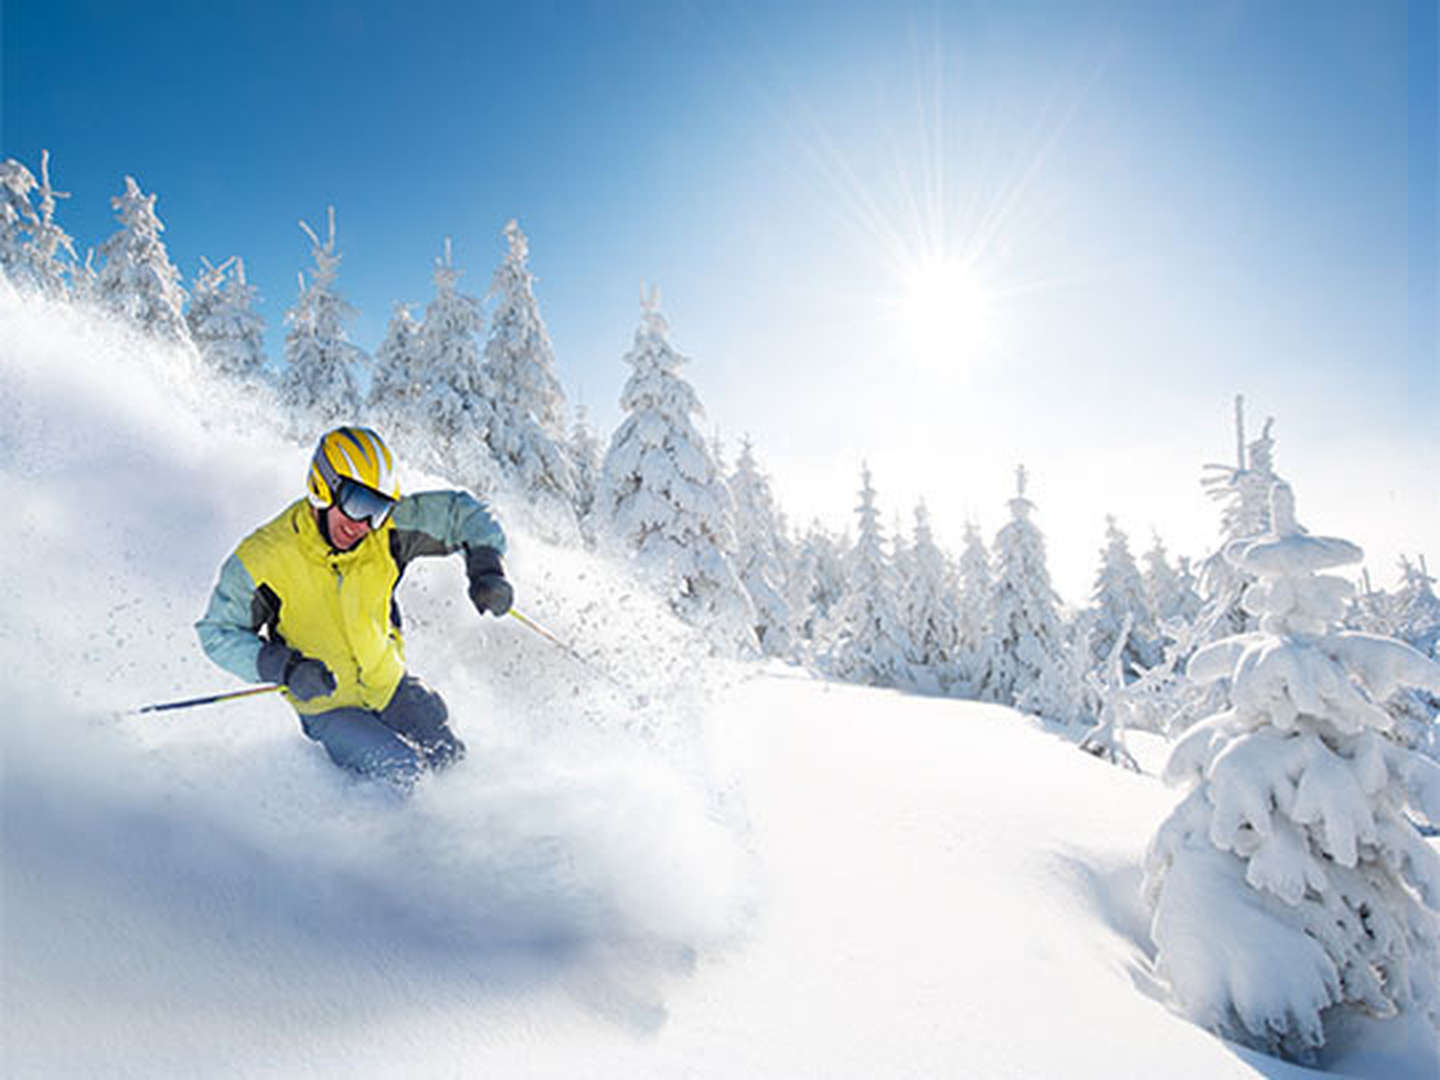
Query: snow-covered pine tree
137,280
870,644
717,452
320,381
974,641
18,221
1414,613
527,431
204,294
31,243
662,498
1028,666
817,584
50,240
761,548
454,410
224,324
1372,610
395,386
1119,600
901,556
85,281
1109,687
1190,603
1291,884
931,611
1243,489
1169,590
585,454
1244,492
396,389
1417,608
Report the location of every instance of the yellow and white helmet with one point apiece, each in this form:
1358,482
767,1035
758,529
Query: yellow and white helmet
356,454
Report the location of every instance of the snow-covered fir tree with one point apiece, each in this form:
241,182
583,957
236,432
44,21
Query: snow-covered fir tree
205,294
50,241
817,583
137,280
453,409
31,243
320,380
1290,885
1119,600
1412,614
224,324
662,497
717,452
1372,610
1028,666
1110,688
527,430
85,281
870,645
1244,492
586,456
1169,590
931,610
901,555
396,388
1417,608
18,220
1190,602
974,641
762,550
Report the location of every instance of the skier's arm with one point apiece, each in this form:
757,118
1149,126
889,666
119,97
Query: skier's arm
442,522
229,629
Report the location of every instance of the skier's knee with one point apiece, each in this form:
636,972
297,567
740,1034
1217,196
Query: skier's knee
444,751
357,742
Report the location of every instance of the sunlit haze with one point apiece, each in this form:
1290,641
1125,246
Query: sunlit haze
943,239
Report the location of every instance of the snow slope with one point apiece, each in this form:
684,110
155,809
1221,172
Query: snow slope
755,874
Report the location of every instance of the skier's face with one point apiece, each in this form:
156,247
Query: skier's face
344,532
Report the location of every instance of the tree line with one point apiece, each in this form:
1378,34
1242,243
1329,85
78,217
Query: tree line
479,400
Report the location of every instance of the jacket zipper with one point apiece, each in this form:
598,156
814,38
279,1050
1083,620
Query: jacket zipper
344,631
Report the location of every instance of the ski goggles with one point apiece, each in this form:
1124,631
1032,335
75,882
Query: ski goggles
360,503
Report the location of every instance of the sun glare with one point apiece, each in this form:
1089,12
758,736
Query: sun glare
945,312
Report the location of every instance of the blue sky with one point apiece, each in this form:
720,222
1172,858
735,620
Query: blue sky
1155,206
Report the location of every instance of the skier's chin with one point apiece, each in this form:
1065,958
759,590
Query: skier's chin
344,533
345,542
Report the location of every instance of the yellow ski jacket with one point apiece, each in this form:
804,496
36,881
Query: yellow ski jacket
285,583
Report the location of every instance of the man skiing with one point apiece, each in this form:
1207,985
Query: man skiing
307,601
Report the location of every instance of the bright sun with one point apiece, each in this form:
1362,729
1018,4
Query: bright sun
945,311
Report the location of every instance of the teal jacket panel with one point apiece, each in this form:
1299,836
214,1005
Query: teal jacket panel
227,630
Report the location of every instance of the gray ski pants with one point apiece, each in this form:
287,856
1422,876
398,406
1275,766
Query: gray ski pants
398,743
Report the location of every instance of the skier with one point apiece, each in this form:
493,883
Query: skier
307,602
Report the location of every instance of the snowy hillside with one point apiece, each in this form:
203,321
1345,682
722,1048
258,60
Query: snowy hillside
751,873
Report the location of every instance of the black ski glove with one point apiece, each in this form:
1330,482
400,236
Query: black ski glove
489,591
302,676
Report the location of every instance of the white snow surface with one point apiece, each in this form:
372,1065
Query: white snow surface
753,874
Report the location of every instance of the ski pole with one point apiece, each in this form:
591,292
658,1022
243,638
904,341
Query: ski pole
640,699
190,702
